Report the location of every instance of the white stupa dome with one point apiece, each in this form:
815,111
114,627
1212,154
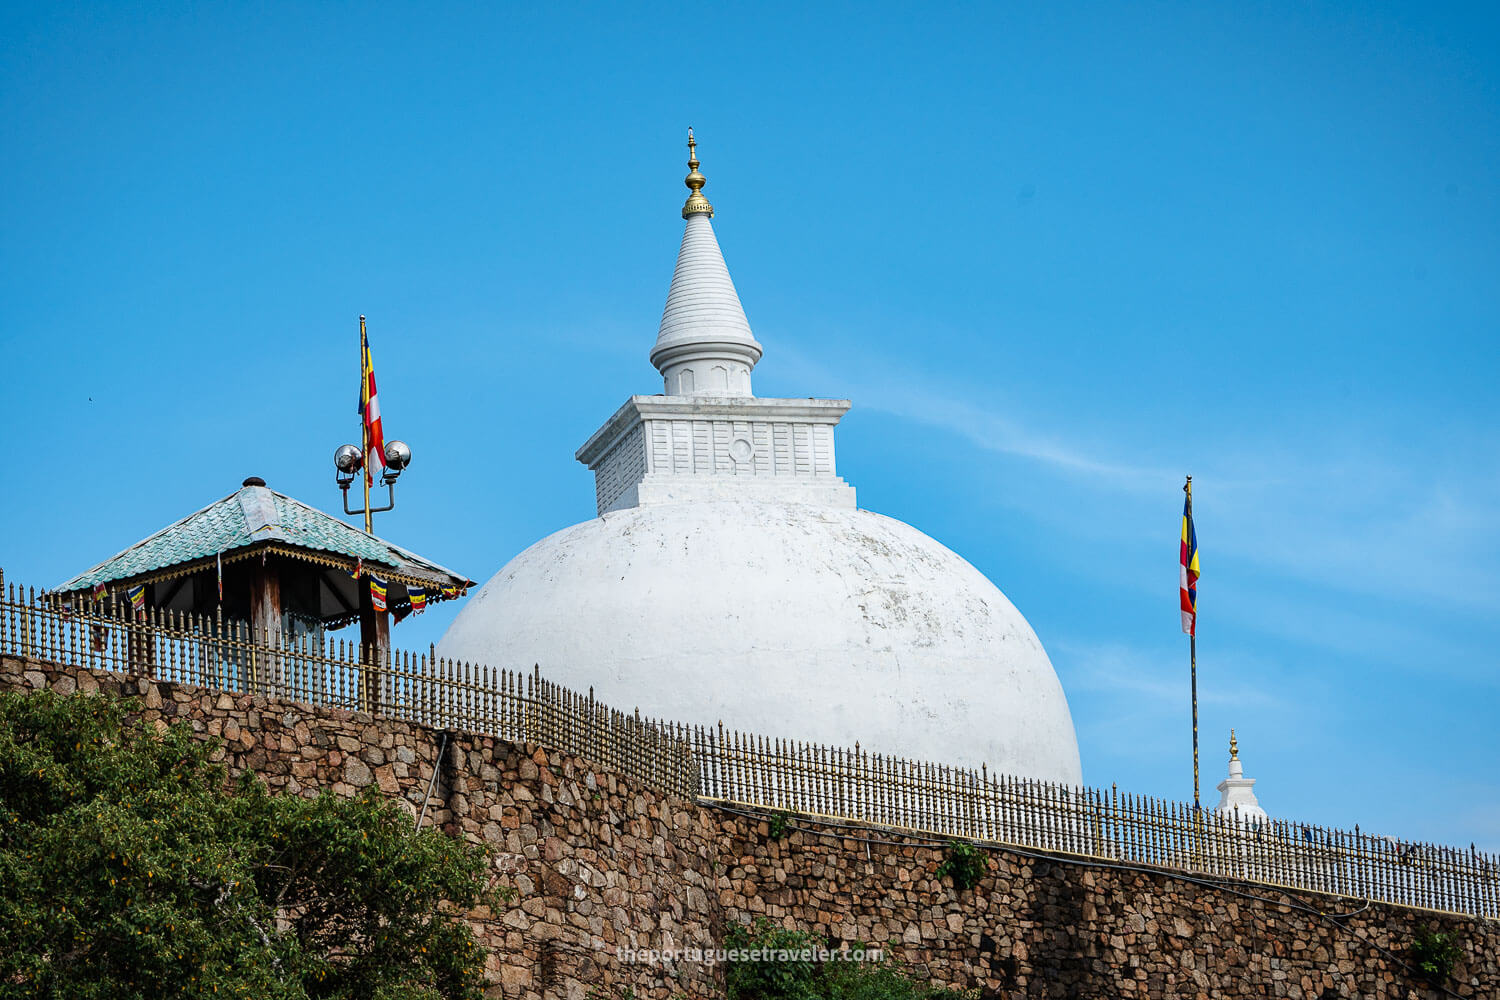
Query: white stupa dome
730,577
819,623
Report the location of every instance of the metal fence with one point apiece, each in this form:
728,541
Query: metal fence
731,768
425,689
853,784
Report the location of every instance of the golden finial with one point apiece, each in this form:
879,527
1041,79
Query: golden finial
696,203
1234,746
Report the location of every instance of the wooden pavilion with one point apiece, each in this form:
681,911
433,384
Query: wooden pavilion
283,568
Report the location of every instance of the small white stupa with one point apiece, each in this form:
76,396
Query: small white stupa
730,575
1237,792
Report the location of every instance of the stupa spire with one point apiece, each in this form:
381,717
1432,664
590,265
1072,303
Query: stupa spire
1236,792
696,203
704,346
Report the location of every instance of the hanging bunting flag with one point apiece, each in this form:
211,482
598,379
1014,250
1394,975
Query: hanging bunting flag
358,570
137,595
377,592
369,408
219,559
100,591
449,592
399,613
418,597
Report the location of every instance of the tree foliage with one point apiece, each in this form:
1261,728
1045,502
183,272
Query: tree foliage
130,867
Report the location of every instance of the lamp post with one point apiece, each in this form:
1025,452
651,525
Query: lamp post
374,627
349,460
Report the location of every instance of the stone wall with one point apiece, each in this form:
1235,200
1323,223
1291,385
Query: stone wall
599,862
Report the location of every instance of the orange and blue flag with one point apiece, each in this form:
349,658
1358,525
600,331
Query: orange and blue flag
1188,576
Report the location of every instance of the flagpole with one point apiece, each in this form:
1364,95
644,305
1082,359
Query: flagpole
1193,665
1193,657
364,424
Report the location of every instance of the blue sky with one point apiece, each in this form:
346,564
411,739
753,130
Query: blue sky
1057,255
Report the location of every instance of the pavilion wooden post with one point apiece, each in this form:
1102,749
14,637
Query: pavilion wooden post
265,622
140,647
374,646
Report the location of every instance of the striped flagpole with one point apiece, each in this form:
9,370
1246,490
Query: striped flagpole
364,422
1189,602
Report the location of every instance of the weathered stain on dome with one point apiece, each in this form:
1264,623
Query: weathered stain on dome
828,625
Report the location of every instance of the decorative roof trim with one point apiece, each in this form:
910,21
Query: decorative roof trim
251,551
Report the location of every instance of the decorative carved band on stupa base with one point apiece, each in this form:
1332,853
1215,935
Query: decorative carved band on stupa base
667,449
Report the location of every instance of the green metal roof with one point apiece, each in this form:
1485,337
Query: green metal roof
251,516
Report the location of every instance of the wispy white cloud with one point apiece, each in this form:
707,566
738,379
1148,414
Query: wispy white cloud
1375,529
913,397
992,431
1322,511
1148,681
1129,703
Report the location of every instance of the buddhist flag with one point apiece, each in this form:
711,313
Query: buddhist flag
137,595
369,408
377,592
358,570
449,592
1188,576
100,591
418,597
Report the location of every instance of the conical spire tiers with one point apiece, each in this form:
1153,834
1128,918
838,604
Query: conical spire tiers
696,203
704,346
